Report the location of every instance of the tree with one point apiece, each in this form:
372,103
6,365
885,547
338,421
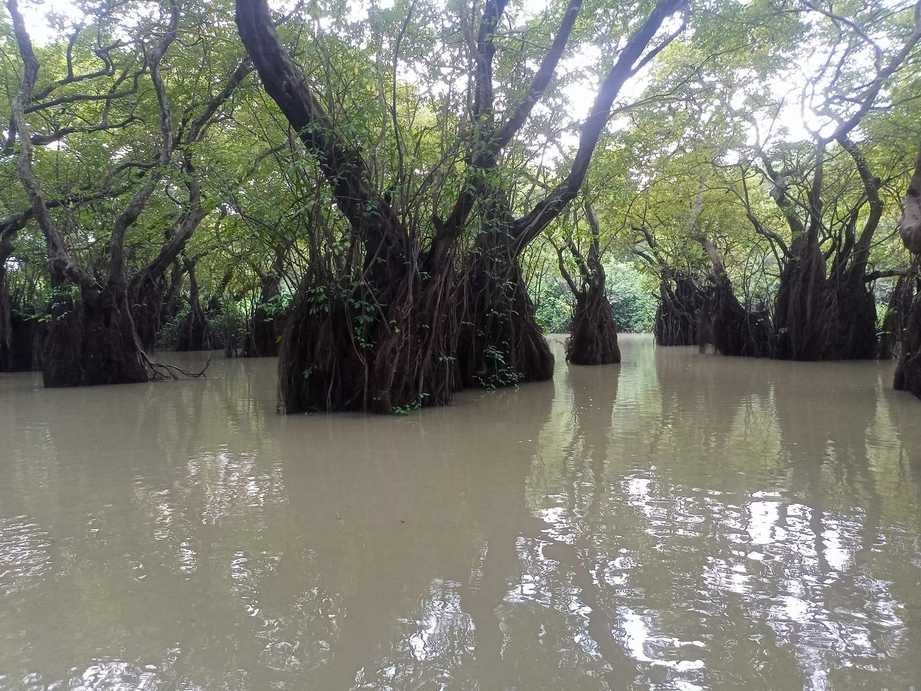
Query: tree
593,335
501,342
391,339
92,334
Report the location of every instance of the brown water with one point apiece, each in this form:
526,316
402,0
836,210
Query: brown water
679,521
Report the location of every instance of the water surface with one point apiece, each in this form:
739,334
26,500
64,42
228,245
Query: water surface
679,521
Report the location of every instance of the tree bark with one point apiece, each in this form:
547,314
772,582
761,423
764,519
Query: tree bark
849,318
733,329
800,303
908,372
677,320
91,340
500,343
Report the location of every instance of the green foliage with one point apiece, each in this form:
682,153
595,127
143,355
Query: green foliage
498,374
630,292
632,298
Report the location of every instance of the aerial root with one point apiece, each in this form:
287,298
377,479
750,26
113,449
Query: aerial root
161,371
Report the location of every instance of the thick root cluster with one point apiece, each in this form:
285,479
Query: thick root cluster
500,342
91,341
593,340
908,372
677,317
346,349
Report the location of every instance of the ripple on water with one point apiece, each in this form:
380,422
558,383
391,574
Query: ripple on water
679,521
25,554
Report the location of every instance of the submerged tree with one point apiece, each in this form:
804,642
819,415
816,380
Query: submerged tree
21,330
391,338
824,309
97,300
500,341
593,334
388,341
409,166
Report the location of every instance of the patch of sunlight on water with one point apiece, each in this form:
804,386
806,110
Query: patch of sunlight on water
680,521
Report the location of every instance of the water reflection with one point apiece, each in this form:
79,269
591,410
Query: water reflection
678,521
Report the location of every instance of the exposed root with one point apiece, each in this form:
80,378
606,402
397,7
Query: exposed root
677,317
161,371
731,328
500,343
347,348
593,340
800,304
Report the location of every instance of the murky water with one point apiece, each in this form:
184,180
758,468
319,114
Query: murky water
679,521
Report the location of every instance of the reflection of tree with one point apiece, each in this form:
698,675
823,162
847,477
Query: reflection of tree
502,516
398,523
703,397
137,485
905,413
594,395
503,541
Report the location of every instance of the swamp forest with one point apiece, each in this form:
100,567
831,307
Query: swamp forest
460,344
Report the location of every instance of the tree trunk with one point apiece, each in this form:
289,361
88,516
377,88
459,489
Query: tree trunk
146,294
799,309
593,340
91,341
387,342
676,322
267,324
908,371
849,318
22,338
500,343
593,336
6,324
173,296
91,335
731,328
194,332
897,312
338,353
